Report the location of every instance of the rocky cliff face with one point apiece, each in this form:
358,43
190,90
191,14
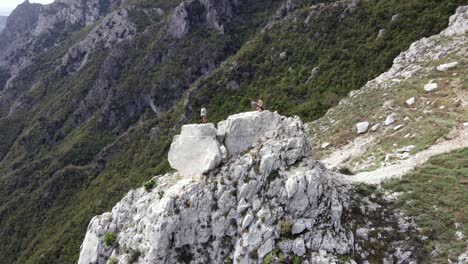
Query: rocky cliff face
265,199
3,20
267,187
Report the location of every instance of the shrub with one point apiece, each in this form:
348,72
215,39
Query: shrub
149,185
296,260
161,194
286,228
112,260
345,171
110,239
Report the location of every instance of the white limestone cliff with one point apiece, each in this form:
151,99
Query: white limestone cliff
267,193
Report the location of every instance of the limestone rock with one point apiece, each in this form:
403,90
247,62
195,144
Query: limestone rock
447,66
431,86
457,23
362,127
390,119
411,101
241,131
195,151
382,33
206,13
235,211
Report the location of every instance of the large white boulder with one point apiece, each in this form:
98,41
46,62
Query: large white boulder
242,131
195,151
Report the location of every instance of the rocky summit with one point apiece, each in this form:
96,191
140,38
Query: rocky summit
266,194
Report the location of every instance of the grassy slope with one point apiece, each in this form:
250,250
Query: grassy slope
436,194
373,105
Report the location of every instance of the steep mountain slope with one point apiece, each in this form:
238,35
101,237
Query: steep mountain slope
93,91
74,82
414,111
3,20
420,101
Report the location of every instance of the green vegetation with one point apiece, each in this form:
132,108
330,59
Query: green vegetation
149,185
437,196
286,228
297,260
340,48
275,256
113,260
110,239
421,129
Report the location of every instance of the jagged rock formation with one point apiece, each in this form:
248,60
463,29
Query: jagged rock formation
3,20
195,151
193,13
270,195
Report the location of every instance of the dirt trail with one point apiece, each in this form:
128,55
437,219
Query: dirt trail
459,141
358,147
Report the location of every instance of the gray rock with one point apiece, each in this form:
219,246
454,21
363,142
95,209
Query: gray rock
382,33
298,227
363,233
199,214
206,13
242,131
447,66
410,101
195,151
431,86
298,247
458,25
390,119
362,127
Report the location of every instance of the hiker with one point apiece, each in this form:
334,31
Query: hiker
203,113
259,105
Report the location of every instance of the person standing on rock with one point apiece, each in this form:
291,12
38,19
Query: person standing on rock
203,114
259,105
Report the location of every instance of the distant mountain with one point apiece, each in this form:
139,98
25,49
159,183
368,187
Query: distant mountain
3,20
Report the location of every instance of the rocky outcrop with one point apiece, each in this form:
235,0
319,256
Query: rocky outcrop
406,65
240,132
205,13
270,196
32,29
114,28
3,20
195,151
